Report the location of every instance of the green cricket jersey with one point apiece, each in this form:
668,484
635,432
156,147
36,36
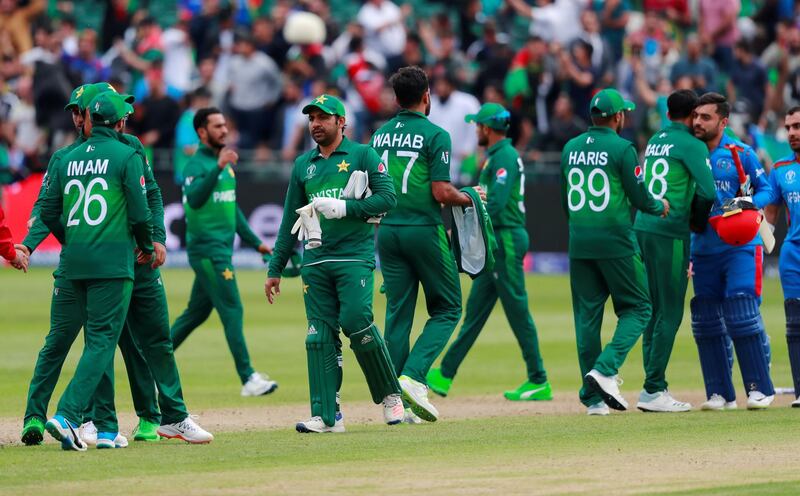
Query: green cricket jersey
675,166
100,191
503,179
213,217
417,152
600,180
351,238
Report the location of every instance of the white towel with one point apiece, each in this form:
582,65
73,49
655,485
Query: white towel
308,226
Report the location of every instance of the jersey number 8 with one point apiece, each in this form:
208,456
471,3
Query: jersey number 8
90,198
659,178
576,180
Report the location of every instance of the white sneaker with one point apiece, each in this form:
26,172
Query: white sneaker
416,394
393,410
661,401
608,388
796,403
315,424
258,385
88,432
63,430
186,430
717,402
756,400
598,409
104,441
409,417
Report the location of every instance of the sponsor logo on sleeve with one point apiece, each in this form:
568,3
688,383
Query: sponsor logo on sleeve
639,173
381,168
502,175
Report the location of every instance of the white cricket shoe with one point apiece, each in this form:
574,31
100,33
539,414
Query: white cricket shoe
796,403
661,401
88,432
105,440
393,410
63,430
716,402
186,430
258,385
608,388
598,409
416,393
756,400
409,417
315,424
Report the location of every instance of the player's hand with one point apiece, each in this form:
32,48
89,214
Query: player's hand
666,207
20,262
330,208
24,249
264,249
480,192
690,270
159,255
145,258
227,156
272,288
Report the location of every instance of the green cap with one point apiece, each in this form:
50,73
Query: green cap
75,97
108,108
90,91
328,104
608,102
491,115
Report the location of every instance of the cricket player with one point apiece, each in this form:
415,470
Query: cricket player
337,275
676,168
212,220
785,182
66,317
503,178
727,279
101,193
413,245
601,178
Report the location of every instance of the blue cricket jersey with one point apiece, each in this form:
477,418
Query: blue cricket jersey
726,179
785,182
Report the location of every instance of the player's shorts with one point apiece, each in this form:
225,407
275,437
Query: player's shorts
789,267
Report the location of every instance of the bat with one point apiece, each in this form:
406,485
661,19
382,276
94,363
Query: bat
745,189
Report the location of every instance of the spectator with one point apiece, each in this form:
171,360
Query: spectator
553,21
676,11
448,108
613,15
117,20
186,139
564,126
28,139
602,61
207,78
717,29
15,25
579,76
786,46
748,82
255,86
411,55
68,34
383,27
86,65
157,115
696,66
530,81
269,40
179,65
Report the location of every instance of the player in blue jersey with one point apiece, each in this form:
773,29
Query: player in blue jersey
727,279
785,182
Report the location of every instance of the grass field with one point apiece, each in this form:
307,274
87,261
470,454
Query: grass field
482,444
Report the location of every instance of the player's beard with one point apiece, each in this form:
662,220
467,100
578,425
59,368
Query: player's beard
705,136
325,138
216,144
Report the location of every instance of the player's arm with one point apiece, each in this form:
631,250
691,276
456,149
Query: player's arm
286,241
635,190
763,193
439,159
502,187
243,230
383,196
7,250
52,207
139,216
38,231
155,201
697,162
199,183
772,210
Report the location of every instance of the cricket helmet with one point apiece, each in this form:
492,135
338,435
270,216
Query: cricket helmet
738,224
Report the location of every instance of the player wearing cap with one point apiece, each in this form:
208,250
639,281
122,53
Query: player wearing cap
676,168
503,179
213,218
601,179
727,279
338,266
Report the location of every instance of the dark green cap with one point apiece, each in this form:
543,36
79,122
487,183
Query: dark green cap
75,97
491,115
608,102
327,103
90,91
108,108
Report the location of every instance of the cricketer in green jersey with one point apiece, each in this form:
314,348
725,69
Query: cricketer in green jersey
213,219
66,317
675,168
601,179
101,192
503,179
412,243
338,265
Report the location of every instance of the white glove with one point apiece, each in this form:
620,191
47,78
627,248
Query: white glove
307,227
357,186
330,208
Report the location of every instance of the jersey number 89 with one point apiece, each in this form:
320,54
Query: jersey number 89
90,199
597,185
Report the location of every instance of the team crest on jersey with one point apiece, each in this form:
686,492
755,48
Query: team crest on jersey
312,169
141,181
790,177
639,173
501,175
724,164
589,140
381,168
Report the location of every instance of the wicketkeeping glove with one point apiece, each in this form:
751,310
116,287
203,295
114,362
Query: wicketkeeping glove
357,188
307,227
330,208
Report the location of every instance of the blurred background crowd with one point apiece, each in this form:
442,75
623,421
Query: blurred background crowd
543,59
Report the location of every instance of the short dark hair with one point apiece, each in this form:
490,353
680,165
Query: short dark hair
681,103
201,117
409,84
793,110
711,98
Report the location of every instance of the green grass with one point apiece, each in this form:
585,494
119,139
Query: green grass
541,453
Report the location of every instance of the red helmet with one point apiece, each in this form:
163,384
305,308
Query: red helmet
739,222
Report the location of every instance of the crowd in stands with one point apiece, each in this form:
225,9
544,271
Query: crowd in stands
544,59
